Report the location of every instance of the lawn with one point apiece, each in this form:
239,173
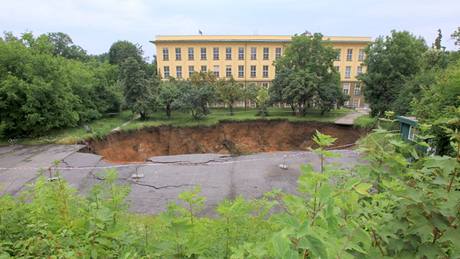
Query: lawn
104,126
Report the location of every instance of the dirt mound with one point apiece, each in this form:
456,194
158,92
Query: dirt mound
224,138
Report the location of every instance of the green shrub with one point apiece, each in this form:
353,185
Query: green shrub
365,122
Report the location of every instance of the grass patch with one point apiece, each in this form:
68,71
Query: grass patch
100,128
181,119
104,126
365,122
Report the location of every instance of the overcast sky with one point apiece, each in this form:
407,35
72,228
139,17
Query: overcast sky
96,24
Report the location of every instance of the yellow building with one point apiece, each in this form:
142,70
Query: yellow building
251,58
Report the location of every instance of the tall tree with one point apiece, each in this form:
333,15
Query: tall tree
168,96
121,50
229,92
138,90
64,46
305,75
456,36
390,61
437,41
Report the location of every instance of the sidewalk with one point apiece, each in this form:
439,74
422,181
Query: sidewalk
350,118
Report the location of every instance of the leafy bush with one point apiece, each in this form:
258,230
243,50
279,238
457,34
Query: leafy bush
365,122
40,91
388,207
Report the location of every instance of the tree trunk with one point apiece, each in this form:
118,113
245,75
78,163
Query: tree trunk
168,110
231,109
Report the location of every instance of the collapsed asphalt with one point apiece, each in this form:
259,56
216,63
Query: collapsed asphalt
164,177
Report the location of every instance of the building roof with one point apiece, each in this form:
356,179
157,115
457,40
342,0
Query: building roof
407,120
250,38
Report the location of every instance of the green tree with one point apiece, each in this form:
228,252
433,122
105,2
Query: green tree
197,94
438,102
262,101
249,94
229,92
305,75
456,36
169,96
138,91
437,41
390,61
121,50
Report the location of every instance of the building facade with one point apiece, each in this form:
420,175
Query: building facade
250,59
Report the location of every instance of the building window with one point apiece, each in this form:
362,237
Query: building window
361,55
277,53
178,54
191,70
240,53
355,103
253,53
266,53
359,70
165,54
253,71
346,88
166,72
191,53
204,69
349,54
240,71
179,72
228,71
347,72
265,71
215,53
203,53
357,90
228,53
265,84
337,68
216,70
339,53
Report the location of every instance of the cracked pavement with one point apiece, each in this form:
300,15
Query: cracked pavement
219,176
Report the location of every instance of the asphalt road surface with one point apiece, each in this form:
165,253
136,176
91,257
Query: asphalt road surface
220,177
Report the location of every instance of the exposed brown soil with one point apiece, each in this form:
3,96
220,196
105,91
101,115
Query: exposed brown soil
224,138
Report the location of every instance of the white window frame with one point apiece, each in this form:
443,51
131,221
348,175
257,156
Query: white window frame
205,70
346,88
265,69
228,55
191,53
203,54
228,71
253,71
240,71
191,70
361,55
357,90
349,54
165,54
215,53
266,53
178,52
178,72
359,70
216,71
348,72
166,72
278,53
240,53
253,53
